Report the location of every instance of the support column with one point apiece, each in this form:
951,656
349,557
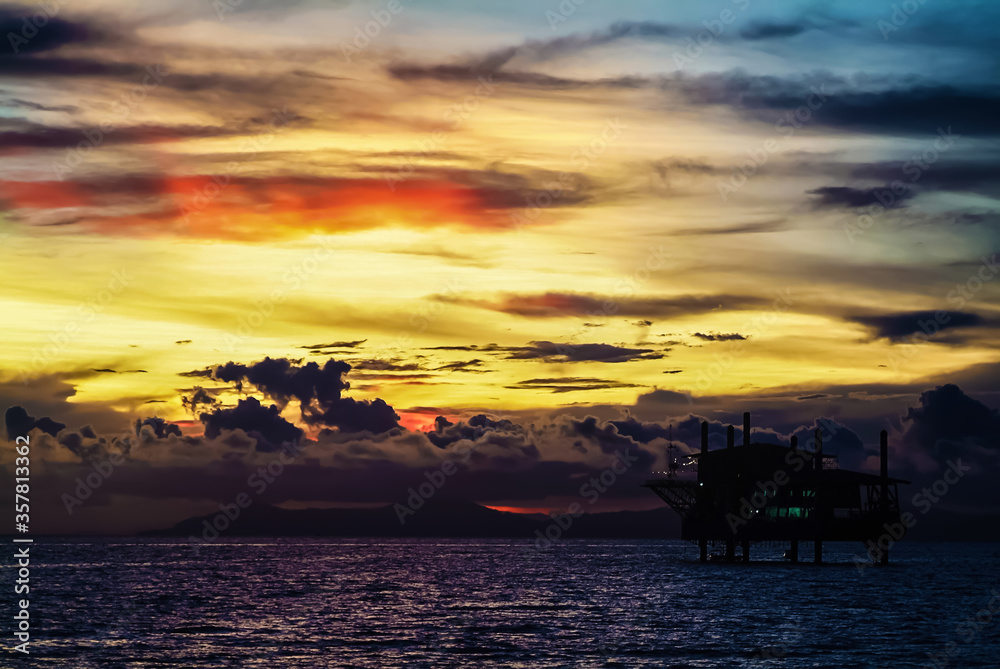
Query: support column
730,550
818,464
746,550
703,550
887,510
818,555
794,552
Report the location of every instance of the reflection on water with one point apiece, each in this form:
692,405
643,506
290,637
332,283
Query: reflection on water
440,603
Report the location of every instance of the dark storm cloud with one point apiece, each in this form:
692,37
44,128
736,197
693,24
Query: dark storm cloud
539,51
114,371
490,452
22,36
462,366
569,384
566,352
197,373
895,108
473,72
560,352
490,65
506,189
19,423
76,443
640,431
889,106
737,229
198,397
686,431
665,398
510,189
394,365
336,344
761,30
948,423
21,134
715,336
837,440
35,106
669,170
554,304
481,428
777,30
318,390
160,428
833,197
26,52
608,438
264,424
963,176
33,68
900,325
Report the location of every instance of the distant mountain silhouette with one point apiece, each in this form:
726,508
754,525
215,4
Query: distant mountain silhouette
447,518
434,519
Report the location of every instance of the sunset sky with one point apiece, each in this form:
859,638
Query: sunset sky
512,215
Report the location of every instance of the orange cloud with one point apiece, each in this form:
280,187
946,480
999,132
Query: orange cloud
265,208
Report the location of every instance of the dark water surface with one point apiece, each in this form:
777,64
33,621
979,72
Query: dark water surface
450,603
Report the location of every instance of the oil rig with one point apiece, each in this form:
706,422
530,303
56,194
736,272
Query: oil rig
770,493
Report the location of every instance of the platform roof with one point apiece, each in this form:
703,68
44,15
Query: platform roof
768,450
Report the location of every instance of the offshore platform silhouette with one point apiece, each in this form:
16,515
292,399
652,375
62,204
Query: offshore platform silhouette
769,493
